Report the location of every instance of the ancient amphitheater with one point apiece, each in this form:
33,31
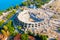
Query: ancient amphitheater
38,21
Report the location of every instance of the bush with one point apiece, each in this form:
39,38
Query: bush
19,27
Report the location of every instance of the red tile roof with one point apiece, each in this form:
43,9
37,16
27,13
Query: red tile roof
17,37
31,38
59,38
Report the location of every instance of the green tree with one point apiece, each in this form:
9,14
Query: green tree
11,7
1,22
5,28
8,9
24,36
10,27
17,6
43,37
11,14
50,6
1,12
58,29
25,3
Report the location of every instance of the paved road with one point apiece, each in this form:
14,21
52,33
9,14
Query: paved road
12,18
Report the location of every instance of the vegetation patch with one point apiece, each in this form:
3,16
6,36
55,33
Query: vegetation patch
37,3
